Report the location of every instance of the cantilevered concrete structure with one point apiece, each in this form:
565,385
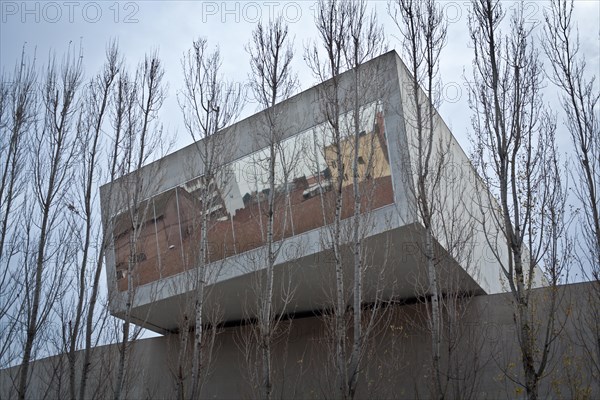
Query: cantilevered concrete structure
167,211
481,355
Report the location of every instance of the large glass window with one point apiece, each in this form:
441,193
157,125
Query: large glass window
307,167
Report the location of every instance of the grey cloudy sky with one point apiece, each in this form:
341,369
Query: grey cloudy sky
171,26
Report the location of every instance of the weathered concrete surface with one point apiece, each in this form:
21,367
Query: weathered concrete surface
484,361
162,292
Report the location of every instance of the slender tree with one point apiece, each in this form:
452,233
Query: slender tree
135,119
209,104
580,98
94,110
18,112
52,162
349,36
365,41
515,152
51,124
424,33
331,24
272,80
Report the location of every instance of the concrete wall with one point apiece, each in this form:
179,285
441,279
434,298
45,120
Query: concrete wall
460,201
484,362
301,112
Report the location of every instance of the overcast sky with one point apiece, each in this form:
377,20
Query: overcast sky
171,26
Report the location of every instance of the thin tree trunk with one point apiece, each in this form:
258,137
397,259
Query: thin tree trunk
89,325
60,158
88,198
513,129
270,56
199,302
357,242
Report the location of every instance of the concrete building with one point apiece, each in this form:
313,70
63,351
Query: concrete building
303,203
166,225
487,366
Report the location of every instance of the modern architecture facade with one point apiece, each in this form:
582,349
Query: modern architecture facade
169,207
155,217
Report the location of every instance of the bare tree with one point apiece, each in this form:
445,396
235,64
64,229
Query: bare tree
94,111
18,109
366,40
579,99
94,324
515,153
17,115
424,34
209,104
433,166
52,161
331,22
136,105
271,53
51,151
350,36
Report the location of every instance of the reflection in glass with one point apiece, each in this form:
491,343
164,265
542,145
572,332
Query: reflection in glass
236,199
